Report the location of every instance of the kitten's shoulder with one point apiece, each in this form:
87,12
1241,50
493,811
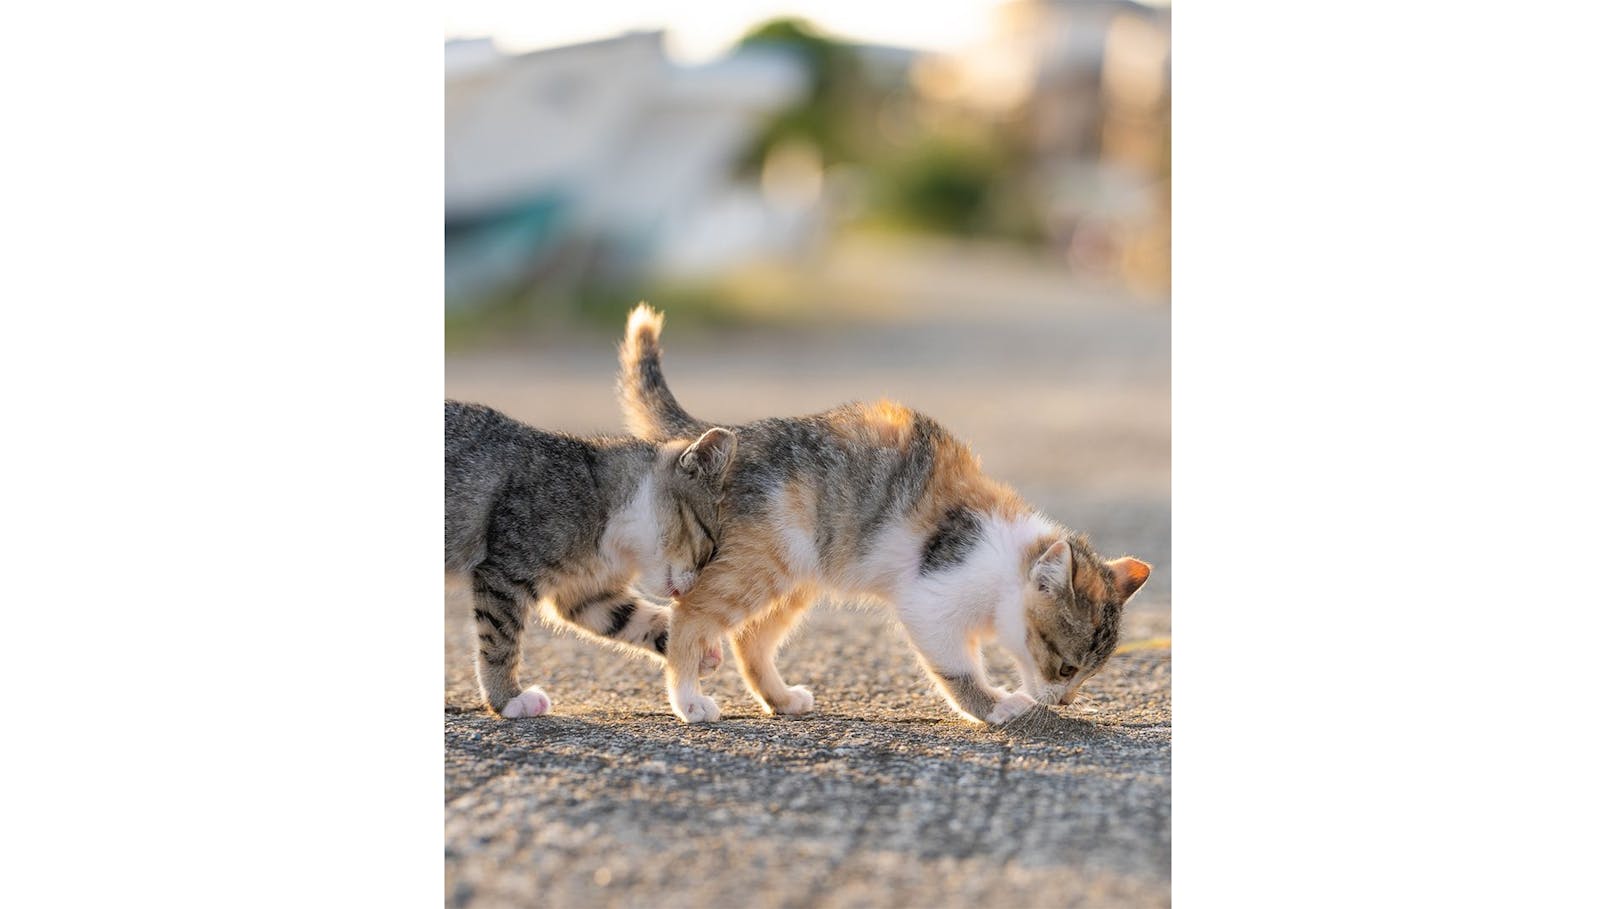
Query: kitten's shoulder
460,415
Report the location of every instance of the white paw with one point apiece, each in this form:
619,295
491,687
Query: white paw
711,659
798,700
1010,707
531,702
697,708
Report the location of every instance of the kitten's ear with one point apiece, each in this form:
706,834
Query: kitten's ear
1130,574
1053,570
709,455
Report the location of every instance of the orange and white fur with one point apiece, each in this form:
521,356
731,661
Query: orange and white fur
875,501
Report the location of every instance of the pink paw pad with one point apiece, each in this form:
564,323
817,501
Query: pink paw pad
532,702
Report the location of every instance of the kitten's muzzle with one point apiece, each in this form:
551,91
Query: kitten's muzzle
1049,694
1070,693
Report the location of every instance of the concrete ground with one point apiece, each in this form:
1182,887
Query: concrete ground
882,797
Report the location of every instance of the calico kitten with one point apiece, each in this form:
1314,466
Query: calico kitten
537,517
874,500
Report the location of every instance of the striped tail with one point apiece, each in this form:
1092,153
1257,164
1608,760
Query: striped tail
648,404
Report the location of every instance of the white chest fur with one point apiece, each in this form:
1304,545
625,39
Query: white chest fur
630,541
982,594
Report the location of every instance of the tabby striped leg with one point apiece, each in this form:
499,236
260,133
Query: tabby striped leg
620,616
755,645
624,617
500,613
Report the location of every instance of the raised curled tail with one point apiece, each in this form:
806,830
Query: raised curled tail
648,404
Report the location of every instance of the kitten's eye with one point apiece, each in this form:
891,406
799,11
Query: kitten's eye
1067,670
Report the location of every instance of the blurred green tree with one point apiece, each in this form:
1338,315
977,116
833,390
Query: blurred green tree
939,184
937,175
829,116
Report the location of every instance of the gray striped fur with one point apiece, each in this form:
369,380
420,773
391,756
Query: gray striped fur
526,516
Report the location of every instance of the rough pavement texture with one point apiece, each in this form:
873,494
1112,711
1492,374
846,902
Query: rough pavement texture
882,797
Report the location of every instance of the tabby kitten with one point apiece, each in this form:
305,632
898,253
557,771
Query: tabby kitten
538,517
874,500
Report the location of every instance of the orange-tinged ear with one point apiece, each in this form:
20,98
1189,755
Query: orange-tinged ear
1130,574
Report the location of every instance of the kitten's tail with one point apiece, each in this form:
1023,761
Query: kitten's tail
648,404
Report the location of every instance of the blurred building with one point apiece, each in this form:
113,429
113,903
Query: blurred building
602,158
1085,87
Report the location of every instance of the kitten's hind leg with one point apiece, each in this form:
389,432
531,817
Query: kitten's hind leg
755,644
622,616
500,613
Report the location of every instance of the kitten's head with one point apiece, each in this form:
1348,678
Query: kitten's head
1073,606
690,480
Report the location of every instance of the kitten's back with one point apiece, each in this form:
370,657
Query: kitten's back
479,448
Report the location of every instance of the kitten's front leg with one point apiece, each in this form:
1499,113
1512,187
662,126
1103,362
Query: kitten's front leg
956,667
1011,706
687,641
755,644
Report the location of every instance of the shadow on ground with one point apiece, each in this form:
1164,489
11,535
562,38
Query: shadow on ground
883,797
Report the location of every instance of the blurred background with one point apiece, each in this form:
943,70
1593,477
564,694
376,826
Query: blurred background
965,211
746,164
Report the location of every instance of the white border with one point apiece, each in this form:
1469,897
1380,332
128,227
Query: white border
1392,298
